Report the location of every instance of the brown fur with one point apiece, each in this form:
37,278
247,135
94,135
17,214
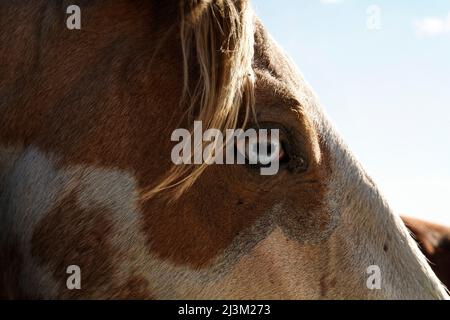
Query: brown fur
10,270
83,241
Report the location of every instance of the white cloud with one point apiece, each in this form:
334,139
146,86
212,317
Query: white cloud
432,26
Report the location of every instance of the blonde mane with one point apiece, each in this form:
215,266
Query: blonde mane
220,33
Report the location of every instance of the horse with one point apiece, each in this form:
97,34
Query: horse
92,207
434,241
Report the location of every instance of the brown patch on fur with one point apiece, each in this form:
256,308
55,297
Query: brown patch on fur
10,268
100,81
433,240
68,236
194,232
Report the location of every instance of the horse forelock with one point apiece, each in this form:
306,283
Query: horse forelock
218,38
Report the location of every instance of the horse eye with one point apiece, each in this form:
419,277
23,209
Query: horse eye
262,152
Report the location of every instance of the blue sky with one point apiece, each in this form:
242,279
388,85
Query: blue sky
387,90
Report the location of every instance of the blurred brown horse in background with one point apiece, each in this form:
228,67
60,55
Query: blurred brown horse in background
434,241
